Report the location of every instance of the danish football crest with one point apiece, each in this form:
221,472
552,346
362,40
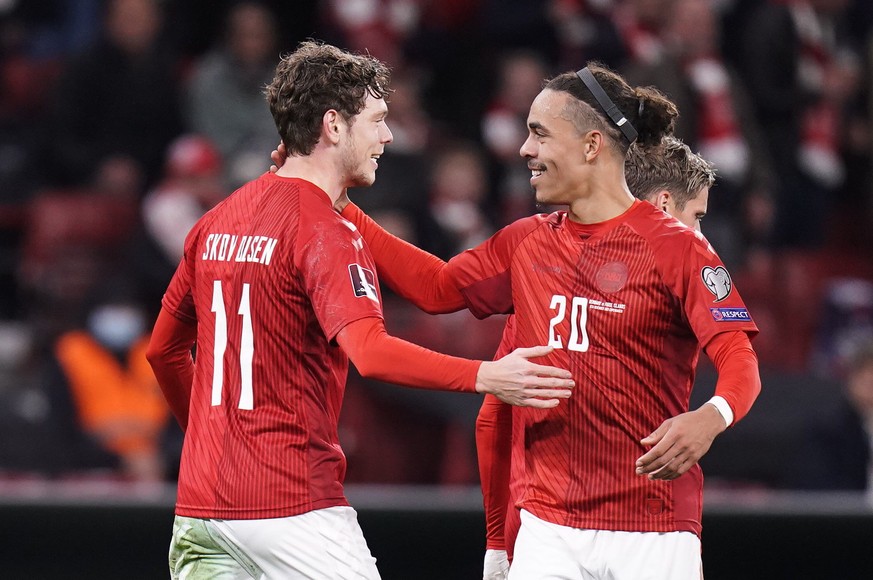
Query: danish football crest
717,281
611,277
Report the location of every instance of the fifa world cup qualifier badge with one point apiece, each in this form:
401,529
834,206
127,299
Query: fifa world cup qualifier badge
363,282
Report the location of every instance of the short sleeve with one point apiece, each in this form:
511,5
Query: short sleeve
339,276
483,274
710,300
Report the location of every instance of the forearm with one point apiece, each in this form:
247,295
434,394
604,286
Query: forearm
493,446
414,274
739,381
378,355
169,354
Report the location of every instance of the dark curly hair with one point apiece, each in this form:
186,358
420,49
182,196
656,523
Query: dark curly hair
312,80
650,112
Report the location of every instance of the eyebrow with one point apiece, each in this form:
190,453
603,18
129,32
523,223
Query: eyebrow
535,125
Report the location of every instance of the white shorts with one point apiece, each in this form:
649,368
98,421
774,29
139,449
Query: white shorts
545,550
322,544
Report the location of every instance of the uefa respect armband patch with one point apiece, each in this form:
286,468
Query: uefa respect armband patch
730,314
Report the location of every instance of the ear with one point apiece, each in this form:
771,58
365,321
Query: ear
592,143
331,126
662,200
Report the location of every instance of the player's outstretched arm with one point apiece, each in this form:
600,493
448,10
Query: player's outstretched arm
513,379
415,275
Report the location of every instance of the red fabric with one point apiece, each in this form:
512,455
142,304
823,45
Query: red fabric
411,272
739,381
378,355
169,354
626,304
493,446
269,277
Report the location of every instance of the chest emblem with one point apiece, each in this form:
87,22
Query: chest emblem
611,277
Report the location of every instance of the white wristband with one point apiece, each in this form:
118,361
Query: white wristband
722,405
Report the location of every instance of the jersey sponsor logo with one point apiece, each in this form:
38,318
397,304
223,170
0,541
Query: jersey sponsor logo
363,282
611,277
717,281
546,268
730,314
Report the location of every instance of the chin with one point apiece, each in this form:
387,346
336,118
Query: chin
364,180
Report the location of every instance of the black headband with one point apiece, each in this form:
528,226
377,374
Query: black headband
607,105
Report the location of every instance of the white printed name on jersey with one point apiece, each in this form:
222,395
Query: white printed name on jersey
234,248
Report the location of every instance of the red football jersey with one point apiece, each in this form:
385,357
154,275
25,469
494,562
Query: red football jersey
626,304
270,276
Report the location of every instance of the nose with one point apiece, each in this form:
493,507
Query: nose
387,135
528,148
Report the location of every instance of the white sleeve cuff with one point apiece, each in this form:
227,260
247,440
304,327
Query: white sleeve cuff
722,405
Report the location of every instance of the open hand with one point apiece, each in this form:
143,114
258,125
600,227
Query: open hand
515,380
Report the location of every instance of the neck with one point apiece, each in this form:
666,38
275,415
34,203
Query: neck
315,169
607,196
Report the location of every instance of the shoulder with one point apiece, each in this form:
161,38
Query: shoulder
663,229
526,225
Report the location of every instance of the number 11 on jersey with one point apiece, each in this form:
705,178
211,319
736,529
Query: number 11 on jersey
246,347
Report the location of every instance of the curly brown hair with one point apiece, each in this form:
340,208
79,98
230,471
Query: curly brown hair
670,165
316,78
650,112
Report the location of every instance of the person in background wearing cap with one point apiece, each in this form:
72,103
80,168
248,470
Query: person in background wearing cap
190,187
628,296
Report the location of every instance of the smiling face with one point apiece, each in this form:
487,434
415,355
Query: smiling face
554,149
366,137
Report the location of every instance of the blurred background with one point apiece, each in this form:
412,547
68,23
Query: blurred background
123,121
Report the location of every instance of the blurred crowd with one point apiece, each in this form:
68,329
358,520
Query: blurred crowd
123,121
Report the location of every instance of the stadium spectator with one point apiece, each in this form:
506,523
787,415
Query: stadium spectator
520,77
226,92
838,454
718,120
117,103
640,25
191,185
800,76
116,400
458,188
